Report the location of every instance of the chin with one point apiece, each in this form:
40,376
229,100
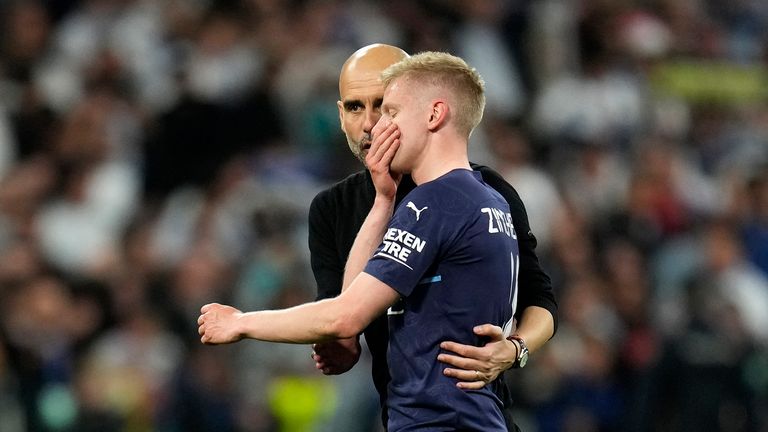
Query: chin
398,168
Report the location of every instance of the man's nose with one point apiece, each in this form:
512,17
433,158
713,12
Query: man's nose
371,118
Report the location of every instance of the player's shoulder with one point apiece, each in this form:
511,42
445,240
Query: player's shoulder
457,179
453,189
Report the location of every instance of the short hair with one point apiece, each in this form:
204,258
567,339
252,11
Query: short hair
443,70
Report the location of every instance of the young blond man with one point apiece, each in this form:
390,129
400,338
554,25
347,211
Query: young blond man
445,260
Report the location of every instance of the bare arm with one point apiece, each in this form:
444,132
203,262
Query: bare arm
536,327
363,297
383,149
338,356
341,317
368,238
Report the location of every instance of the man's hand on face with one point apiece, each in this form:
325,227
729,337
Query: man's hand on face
386,141
475,367
336,357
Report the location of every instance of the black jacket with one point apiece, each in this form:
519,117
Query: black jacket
336,215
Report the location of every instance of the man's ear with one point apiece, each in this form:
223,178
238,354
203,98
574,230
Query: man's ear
340,105
438,115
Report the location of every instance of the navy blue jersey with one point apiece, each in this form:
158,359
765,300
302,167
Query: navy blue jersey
451,252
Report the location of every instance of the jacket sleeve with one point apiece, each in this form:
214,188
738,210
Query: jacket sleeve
535,285
327,267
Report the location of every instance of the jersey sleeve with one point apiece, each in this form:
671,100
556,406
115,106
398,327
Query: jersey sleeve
414,239
326,265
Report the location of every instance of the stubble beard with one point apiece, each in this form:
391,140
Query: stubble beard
360,148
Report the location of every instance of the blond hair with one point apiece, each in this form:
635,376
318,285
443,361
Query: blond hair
443,70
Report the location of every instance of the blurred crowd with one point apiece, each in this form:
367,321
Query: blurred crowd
156,155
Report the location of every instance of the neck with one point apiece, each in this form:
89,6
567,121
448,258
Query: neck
441,156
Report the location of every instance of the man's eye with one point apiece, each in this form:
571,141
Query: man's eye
355,108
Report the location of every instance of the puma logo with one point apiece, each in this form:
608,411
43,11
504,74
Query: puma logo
412,206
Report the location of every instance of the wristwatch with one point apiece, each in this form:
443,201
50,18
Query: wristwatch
522,353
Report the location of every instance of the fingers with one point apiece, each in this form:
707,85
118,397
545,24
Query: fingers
317,357
383,127
379,127
320,349
381,147
202,321
462,350
460,362
320,354
336,357
391,150
210,307
468,379
215,322
471,366
474,385
379,139
492,331
326,367
204,338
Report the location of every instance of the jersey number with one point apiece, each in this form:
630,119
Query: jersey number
515,266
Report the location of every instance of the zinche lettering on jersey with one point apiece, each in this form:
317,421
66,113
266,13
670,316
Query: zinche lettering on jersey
499,221
399,244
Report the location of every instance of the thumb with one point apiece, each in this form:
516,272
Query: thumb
489,330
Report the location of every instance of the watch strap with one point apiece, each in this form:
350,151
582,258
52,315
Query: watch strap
522,351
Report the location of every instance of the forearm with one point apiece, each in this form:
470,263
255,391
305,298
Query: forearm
538,285
536,326
306,323
341,317
368,238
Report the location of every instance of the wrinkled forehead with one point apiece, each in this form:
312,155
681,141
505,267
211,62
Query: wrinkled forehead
361,84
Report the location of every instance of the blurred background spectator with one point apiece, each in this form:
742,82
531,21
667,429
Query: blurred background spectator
156,155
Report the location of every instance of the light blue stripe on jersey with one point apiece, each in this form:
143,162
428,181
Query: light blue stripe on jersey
432,279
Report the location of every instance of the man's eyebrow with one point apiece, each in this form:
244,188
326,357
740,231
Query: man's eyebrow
349,104
352,103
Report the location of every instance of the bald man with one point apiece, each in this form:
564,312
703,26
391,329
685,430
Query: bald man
337,213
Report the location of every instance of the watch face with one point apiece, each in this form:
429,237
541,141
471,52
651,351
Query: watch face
523,359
